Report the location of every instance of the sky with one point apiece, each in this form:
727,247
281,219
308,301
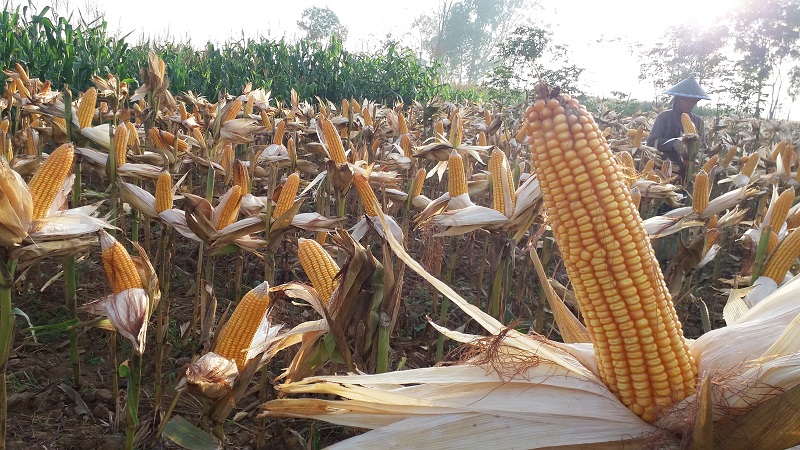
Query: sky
604,37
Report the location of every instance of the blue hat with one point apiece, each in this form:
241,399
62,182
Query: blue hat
688,88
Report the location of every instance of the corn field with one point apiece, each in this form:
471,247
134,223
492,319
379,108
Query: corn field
179,272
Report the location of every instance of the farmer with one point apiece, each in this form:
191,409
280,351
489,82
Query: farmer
667,128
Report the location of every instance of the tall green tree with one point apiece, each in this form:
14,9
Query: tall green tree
464,34
320,24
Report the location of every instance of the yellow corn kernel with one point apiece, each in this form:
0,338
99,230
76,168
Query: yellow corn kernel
319,266
772,241
405,144
119,266
688,125
636,141
726,161
248,107
31,144
782,258
240,176
49,177
749,165
776,152
419,182
614,272
456,177
334,141
368,198
280,128
233,110
237,335
712,222
780,209
230,209
155,138
503,195
701,192
711,163
164,192
86,108
120,144
288,194
367,117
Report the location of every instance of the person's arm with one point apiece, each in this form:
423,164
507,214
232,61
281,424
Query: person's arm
658,133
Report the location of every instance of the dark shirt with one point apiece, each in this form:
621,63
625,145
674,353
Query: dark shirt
667,126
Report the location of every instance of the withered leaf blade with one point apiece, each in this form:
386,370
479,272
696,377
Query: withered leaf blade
773,424
211,376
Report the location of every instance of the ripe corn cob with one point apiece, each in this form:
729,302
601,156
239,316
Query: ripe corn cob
701,192
334,141
636,141
23,76
712,222
248,107
31,142
456,177
482,139
288,194
439,128
788,157
402,125
169,139
649,166
226,157
182,111
133,137
688,125
750,165
456,129
487,117
155,138
237,335
265,119
164,191
776,152
233,110
280,128
711,163
405,144
772,241
291,150
319,266
419,182
781,260
119,267
367,117
780,210
86,108
354,105
366,193
711,238
639,345
240,176
21,89
345,107
726,161
499,170
230,210
121,144
49,177
627,167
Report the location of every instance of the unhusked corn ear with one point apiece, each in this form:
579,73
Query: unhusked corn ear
230,209
240,176
711,163
636,141
237,335
119,266
319,266
456,177
701,192
49,177
781,209
164,192
750,165
288,194
456,129
280,128
86,108
503,195
334,141
639,346
726,161
419,182
233,110
120,144
782,258
772,241
368,198
688,125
